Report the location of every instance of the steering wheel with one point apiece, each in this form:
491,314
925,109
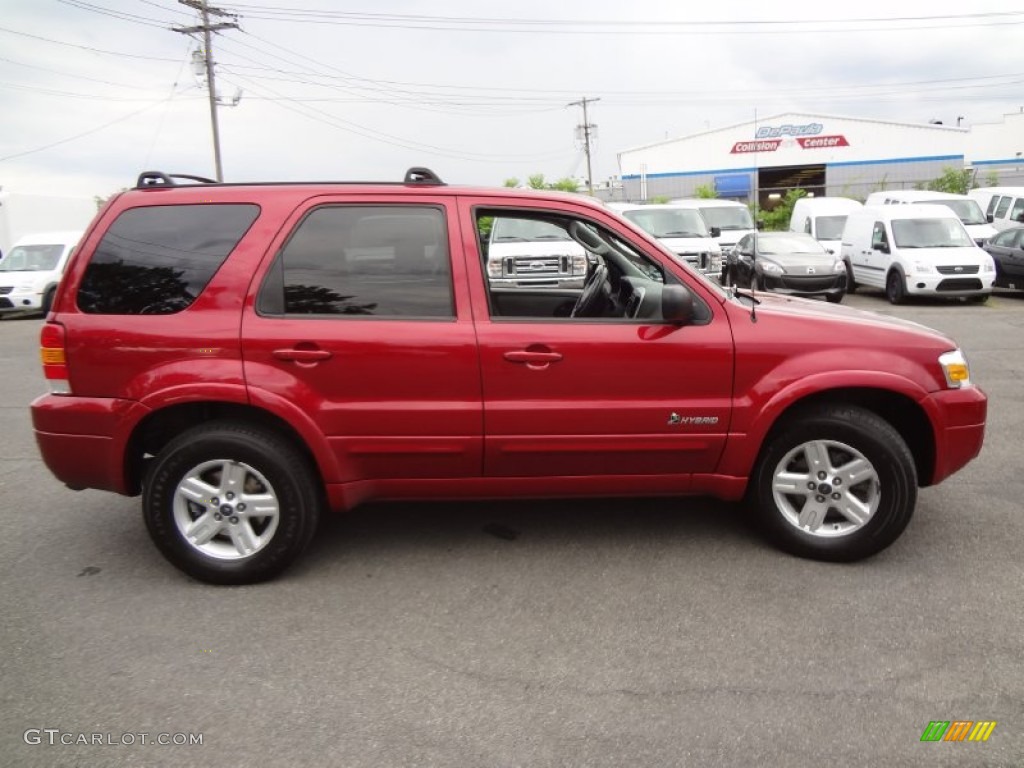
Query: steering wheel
591,291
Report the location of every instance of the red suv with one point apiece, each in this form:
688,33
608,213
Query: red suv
247,355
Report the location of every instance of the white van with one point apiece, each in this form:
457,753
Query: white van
29,273
1003,205
965,207
823,218
914,249
732,220
681,230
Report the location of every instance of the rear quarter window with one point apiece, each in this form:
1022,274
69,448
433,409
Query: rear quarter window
156,260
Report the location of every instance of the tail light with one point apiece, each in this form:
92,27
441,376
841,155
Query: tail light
54,359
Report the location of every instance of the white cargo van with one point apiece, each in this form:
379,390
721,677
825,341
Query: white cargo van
965,207
732,220
823,218
29,273
915,250
1003,205
681,230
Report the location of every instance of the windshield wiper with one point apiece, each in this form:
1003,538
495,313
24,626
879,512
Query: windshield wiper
680,234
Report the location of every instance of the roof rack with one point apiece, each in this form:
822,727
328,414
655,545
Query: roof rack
160,179
419,175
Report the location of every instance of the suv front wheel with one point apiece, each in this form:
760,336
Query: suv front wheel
837,483
231,503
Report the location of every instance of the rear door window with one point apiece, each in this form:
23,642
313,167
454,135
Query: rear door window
364,261
1002,206
156,260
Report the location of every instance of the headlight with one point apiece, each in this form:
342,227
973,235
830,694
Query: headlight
923,267
954,366
839,266
770,267
494,268
988,266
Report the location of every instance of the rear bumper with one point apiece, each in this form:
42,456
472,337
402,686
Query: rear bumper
959,419
83,440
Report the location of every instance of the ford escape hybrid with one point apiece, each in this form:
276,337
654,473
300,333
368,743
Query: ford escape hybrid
244,356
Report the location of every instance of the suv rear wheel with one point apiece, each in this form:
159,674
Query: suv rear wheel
838,483
231,503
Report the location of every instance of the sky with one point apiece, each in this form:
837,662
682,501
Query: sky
92,92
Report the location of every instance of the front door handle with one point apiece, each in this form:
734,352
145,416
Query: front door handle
534,358
302,355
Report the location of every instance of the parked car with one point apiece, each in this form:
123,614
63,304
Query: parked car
915,250
793,263
823,218
966,208
30,272
245,356
1004,206
730,218
681,230
1007,250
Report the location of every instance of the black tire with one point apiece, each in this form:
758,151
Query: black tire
851,285
894,289
834,298
270,467
843,429
48,300
980,298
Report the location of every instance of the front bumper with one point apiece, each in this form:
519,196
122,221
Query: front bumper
832,284
958,418
949,285
23,301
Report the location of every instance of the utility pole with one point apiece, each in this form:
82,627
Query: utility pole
587,129
206,28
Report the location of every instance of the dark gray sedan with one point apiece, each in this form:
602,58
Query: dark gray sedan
786,262
1007,250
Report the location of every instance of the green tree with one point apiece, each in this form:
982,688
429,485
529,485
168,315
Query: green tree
955,180
660,199
536,181
705,192
512,183
565,185
777,219
991,179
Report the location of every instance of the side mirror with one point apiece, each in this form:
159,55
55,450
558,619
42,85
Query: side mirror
883,247
760,224
676,304
989,218
715,232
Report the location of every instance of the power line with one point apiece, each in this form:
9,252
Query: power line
86,47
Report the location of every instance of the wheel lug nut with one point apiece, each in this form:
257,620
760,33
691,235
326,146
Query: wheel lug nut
215,501
234,520
837,481
822,475
218,516
241,507
229,495
819,499
811,486
836,496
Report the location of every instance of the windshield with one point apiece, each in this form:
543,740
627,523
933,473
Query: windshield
726,218
968,211
525,230
663,222
830,227
32,258
770,244
930,233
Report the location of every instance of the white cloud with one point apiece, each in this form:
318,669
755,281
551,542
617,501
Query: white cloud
477,106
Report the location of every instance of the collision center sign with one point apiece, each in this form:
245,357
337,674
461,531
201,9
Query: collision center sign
769,138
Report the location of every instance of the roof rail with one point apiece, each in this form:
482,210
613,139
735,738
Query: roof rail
160,179
419,175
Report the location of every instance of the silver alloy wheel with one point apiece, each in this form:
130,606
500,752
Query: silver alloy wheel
826,488
226,509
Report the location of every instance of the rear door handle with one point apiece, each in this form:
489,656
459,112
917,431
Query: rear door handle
525,356
302,355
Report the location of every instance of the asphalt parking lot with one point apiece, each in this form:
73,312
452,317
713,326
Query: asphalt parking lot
602,633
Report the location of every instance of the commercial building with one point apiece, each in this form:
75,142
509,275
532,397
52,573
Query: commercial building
823,154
